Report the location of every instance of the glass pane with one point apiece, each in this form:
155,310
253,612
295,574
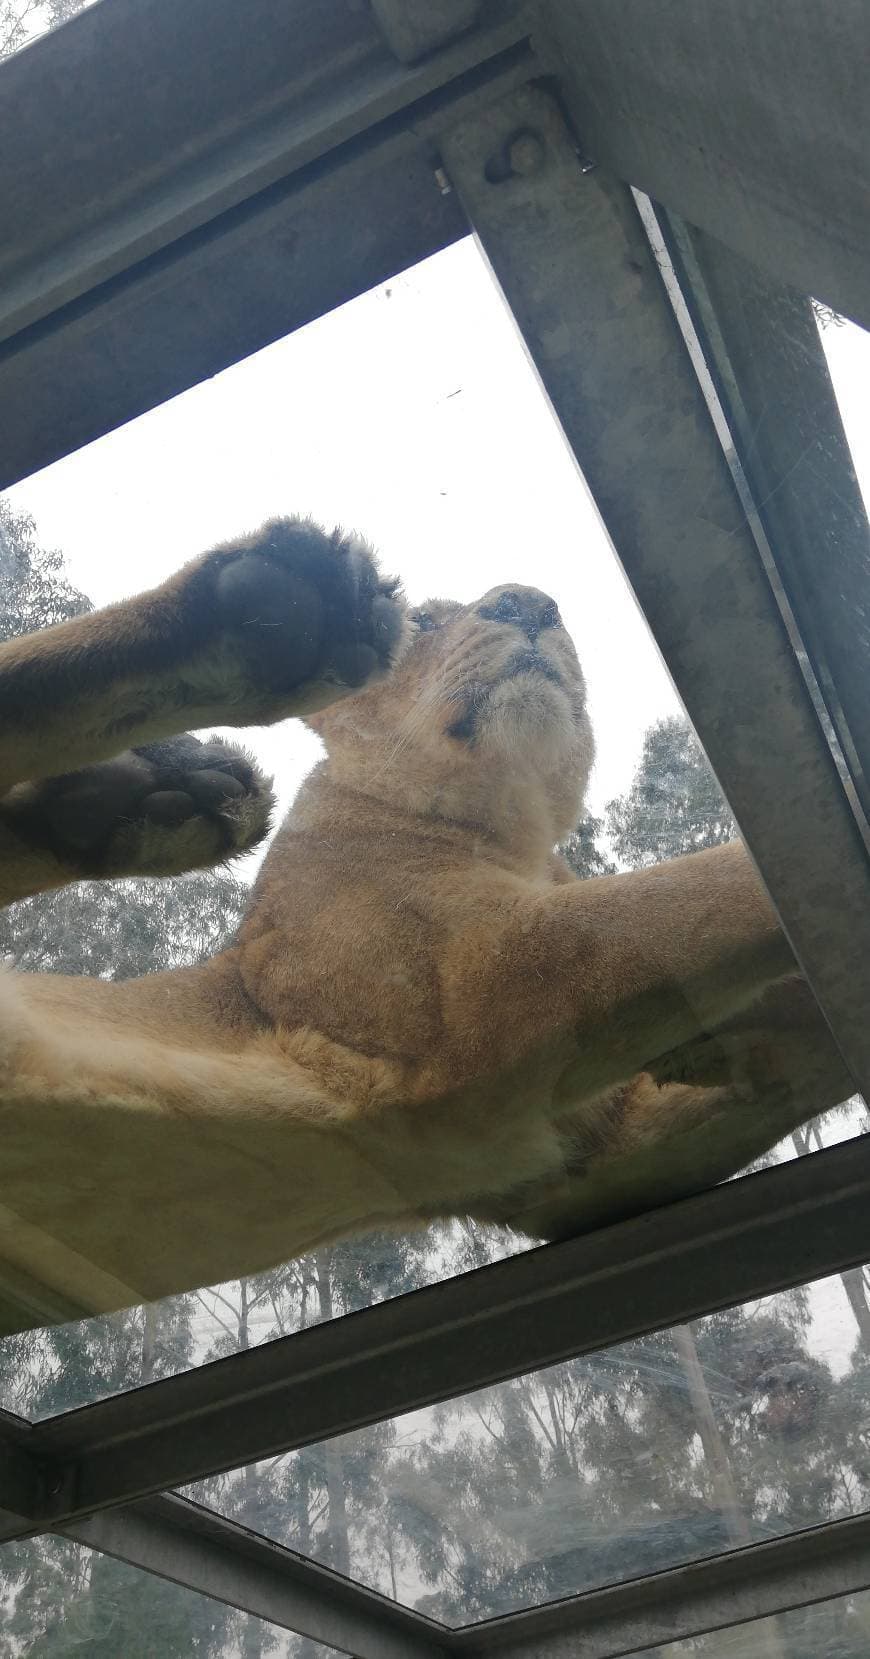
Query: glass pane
58,1599
744,1426
59,1367
412,413
837,1629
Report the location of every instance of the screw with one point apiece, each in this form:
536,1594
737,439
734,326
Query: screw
445,188
526,154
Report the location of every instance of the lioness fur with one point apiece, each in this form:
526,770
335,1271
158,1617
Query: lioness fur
423,1014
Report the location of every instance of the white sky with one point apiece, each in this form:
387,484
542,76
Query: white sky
412,415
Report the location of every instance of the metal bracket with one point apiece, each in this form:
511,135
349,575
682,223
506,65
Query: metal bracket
27,1482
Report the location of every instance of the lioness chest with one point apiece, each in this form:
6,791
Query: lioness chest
381,961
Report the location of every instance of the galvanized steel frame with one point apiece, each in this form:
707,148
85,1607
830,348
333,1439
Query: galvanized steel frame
211,1555
737,1587
273,157
78,1473
749,121
569,249
303,156
204,1552
732,1244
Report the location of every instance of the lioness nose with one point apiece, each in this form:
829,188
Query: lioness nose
528,608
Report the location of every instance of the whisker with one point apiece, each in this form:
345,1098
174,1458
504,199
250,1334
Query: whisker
417,716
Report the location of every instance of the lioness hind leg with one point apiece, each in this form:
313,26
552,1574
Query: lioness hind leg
156,810
152,1142
277,623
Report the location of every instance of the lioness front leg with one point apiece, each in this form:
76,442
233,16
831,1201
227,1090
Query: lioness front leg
615,972
649,1145
274,624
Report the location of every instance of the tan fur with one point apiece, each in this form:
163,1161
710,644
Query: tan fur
423,1014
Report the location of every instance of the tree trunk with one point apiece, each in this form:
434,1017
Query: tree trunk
855,1287
252,1632
715,1451
716,1454
339,1541
853,1281
149,1342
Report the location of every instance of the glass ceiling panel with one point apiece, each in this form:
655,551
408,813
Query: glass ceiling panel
836,1629
744,1426
59,1599
422,381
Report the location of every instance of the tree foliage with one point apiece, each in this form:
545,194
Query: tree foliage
686,1442
674,804
34,591
23,20
118,929
584,852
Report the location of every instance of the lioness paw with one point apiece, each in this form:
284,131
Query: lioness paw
156,810
705,1062
301,615
744,1058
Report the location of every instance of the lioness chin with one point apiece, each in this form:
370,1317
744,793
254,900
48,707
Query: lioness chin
423,1013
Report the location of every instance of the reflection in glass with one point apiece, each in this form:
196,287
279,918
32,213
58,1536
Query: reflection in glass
61,1367
838,1629
744,1426
59,1599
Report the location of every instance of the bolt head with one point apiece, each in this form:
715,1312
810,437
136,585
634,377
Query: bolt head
526,154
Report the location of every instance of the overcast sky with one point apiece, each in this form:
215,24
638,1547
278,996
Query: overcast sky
412,415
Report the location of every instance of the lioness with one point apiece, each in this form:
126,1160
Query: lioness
423,1014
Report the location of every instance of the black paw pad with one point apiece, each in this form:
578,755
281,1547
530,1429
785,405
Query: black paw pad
169,807
89,819
302,604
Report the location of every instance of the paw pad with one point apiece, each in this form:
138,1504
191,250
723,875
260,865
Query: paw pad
123,816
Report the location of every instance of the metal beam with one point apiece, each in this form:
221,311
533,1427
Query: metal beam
570,253
729,1589
761,346
782,1227
749,120
22,1478
193,1547
181,186
244,100
294,252
151,147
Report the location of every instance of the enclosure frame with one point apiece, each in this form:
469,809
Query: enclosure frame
346,146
